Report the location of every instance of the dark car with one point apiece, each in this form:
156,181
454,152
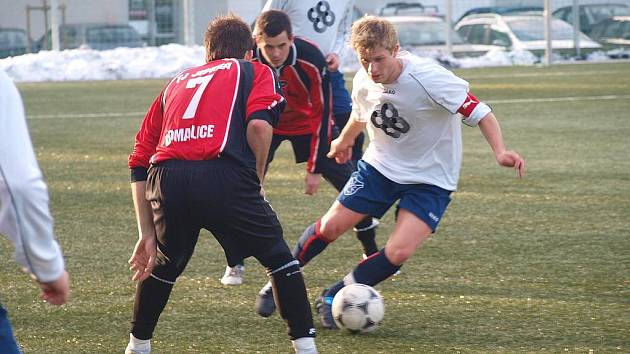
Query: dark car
591,14
406,8
92,36
13,41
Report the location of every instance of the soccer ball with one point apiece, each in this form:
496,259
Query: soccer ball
358,308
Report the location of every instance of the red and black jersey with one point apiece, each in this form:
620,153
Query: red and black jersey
202,114
306,87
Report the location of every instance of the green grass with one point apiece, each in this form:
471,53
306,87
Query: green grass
539,265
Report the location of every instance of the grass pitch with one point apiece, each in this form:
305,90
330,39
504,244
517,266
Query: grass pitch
534,265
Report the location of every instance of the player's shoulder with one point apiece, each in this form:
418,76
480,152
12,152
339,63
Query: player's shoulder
308,51
429,74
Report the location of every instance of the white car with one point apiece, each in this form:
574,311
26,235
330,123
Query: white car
522,32
426,35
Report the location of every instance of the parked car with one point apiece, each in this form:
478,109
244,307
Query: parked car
93,36
13,41
522,32
612,33
501,10
427,35
591,14
406,8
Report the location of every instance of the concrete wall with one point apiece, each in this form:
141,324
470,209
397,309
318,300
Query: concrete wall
13,13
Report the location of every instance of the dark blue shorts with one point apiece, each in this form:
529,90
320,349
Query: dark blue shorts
369,192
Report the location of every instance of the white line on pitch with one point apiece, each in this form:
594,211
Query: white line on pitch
560,99
86,115
516,100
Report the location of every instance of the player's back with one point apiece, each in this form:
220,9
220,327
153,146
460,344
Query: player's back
198,105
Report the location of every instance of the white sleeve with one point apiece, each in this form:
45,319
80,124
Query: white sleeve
343,30
24,215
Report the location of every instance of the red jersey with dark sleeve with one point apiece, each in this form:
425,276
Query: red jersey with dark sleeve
306,87
202,114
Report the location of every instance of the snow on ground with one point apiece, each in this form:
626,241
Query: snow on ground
168,60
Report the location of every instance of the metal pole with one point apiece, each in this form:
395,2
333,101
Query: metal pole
576,28
54,24
449,27
547,20
189,22
151,19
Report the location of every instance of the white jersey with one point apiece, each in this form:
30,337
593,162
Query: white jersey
327,23
413,124
24,215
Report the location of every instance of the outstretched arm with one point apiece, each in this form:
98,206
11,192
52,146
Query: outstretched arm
142,260
491,130
341,148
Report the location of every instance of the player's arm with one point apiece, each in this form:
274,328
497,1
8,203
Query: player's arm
24,198
333,59
321,101
264,105
478,113
143,257
491,130
259,134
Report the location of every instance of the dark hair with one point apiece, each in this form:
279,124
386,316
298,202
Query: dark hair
272,23
227,37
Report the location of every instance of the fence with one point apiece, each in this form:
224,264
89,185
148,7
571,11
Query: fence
545,29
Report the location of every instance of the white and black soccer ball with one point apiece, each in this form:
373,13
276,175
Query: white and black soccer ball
358,308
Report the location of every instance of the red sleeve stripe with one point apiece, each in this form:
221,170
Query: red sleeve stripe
469,105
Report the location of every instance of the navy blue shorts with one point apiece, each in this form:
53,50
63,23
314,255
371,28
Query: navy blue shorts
369,192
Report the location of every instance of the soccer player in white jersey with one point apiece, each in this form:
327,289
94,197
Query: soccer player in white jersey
413,110
24,215
325,24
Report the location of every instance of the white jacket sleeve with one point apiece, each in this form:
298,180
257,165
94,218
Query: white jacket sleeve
24,215
343,30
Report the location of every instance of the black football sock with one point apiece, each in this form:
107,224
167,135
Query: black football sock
310,244
365,231
151,297
289,291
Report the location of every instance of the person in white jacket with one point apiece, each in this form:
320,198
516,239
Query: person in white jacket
24,215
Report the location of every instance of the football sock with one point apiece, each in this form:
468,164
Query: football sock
310,244
151,297
289,290
370,271
373,270
290,295
365,231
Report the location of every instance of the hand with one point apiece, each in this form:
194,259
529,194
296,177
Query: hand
332,61
142,260
512,159
341,152
262,192
311,182
58,291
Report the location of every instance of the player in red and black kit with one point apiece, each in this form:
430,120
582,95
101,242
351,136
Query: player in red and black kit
198,162
306,122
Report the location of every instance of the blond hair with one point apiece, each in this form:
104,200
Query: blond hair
371,32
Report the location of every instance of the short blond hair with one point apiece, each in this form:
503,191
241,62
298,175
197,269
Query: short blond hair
371,32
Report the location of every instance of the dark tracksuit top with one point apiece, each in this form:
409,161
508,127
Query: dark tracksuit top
305,85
